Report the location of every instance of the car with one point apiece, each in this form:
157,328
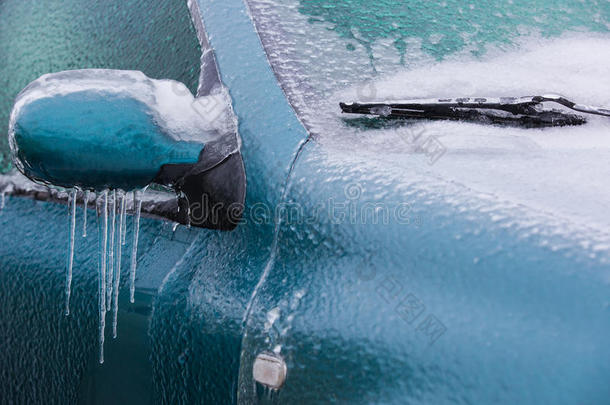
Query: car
363,259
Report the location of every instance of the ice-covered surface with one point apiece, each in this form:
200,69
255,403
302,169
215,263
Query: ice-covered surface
155,37
46,346
559,171
503,244
159,204
101,128
172,104
562,172
525,323
326,43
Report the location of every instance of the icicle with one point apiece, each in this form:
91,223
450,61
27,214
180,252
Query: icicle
122,224
137,206
188,212
123,216
117,270
110,266
70,260
188,217
85,202
103,241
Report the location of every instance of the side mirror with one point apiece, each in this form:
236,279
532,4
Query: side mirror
99,129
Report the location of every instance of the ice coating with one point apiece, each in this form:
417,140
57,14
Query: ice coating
181,124
562,171
558,171
100,128
172,103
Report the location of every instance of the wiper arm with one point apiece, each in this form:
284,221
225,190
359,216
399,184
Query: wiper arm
570,104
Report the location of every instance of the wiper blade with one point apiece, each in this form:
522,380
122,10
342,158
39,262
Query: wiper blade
524,111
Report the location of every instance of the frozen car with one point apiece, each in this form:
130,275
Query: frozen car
362,260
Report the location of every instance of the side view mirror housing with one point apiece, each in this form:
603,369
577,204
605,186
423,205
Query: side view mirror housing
98,129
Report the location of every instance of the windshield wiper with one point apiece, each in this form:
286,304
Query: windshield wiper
521,111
